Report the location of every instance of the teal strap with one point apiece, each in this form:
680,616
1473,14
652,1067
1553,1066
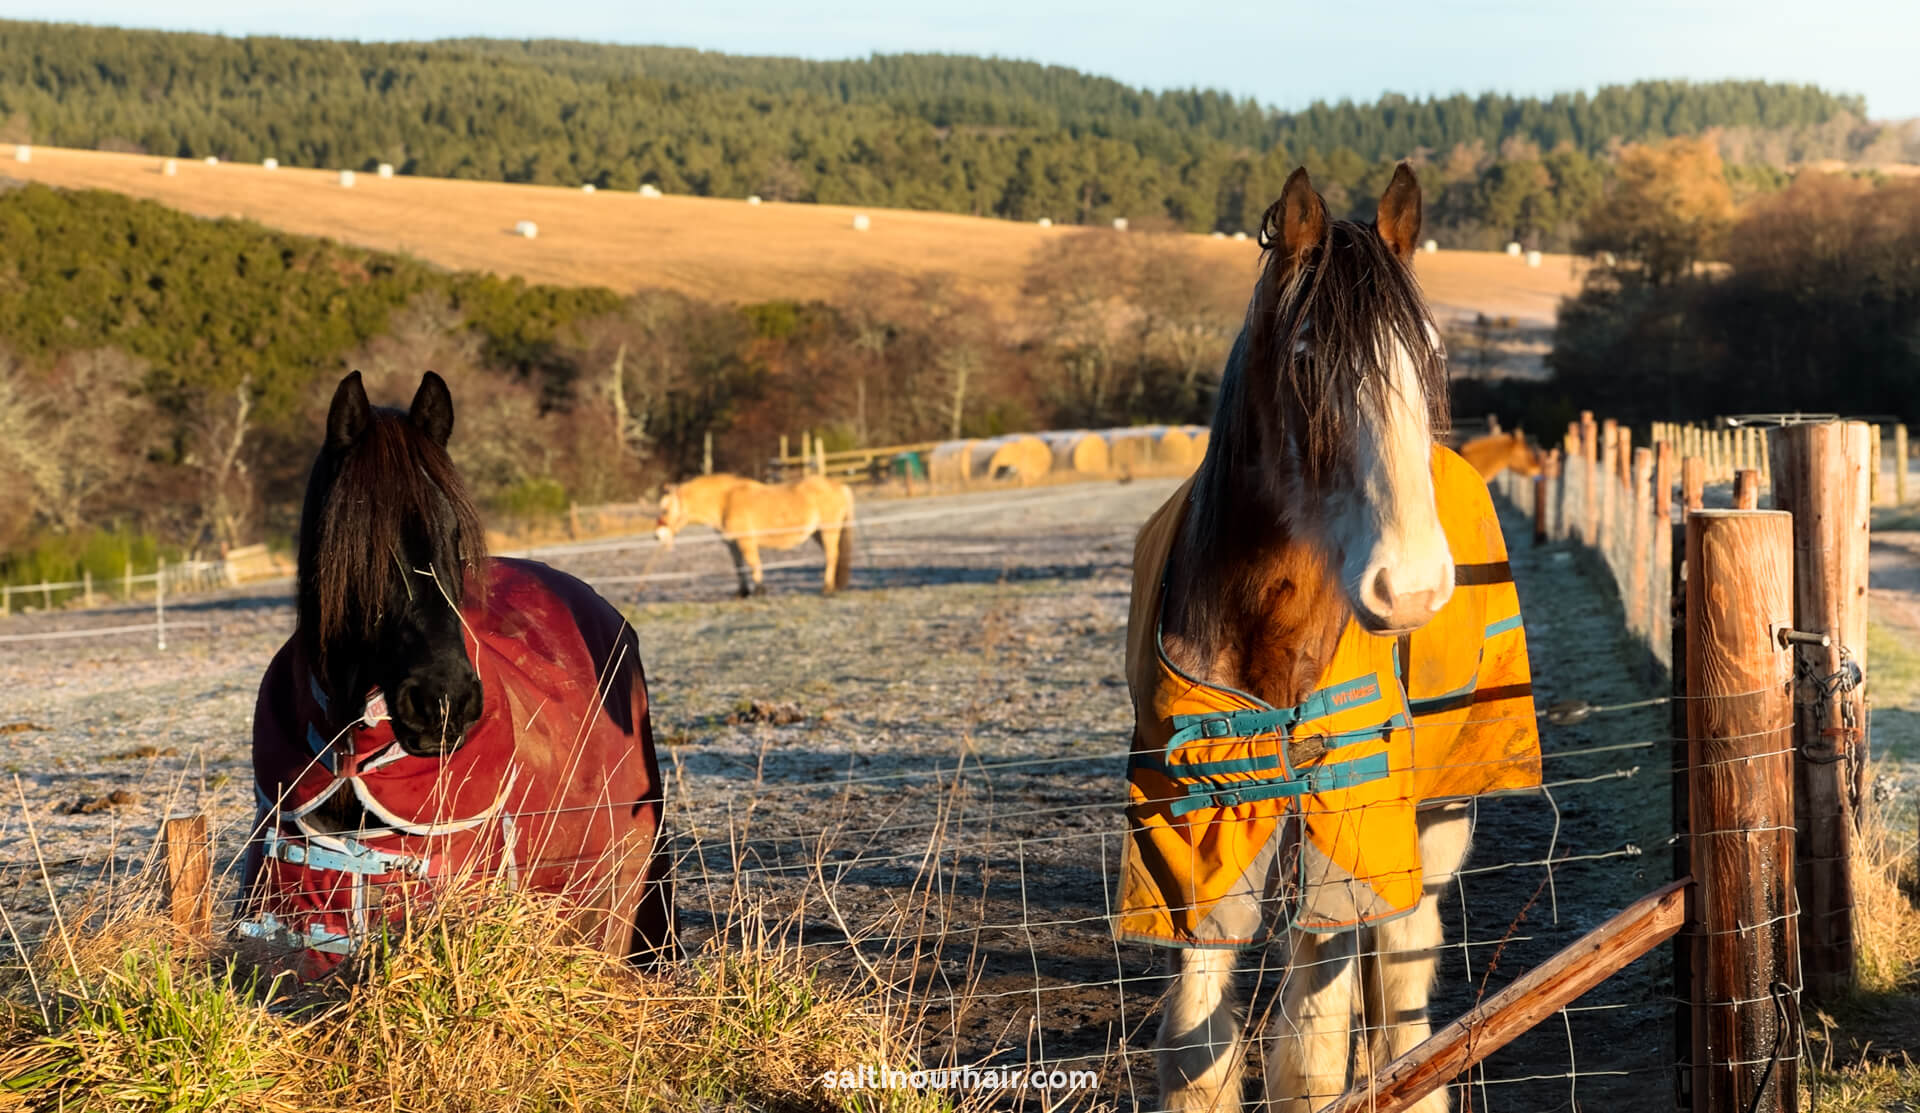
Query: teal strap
1230,724
1331,777
1510,623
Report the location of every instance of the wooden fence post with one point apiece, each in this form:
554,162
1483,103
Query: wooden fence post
86,587
1746,962
1693,484
1820,477
189,876
819,456
1609,445
160,604
1900,465
1589,479
706,453
1660,600
1873,468
126,581
1746,489
1639,547
6,600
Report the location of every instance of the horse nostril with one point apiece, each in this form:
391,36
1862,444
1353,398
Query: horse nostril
1380,590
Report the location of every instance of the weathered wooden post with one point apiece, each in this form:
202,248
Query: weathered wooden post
1543,485
1900,465
6,600
126,581
1639,554
1609,445
1820,476
1746,489
783,449
706,453
1693,484
819,456
160,604
189,877
1873,468
1660,601
1589,479
86,587
1743,936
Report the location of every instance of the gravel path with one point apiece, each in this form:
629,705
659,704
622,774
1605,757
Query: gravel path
930,764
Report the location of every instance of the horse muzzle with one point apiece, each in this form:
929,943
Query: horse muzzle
430,716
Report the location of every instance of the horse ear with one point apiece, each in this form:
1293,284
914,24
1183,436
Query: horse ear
432,410
1399,221
349,414
1300,214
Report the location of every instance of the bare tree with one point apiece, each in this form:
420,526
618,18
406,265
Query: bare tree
73,435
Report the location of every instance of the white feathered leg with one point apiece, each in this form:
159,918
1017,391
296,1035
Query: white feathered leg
1199,1052
1313,1034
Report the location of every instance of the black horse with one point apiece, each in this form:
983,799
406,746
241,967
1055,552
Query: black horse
444,715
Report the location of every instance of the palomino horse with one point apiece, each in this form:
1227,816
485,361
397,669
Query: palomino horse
752,515
1491,455
1328,585
440,716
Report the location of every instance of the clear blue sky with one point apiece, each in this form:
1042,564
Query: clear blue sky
1285,52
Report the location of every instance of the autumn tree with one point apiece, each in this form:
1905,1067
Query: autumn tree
1668,207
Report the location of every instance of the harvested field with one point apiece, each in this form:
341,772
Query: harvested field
720,250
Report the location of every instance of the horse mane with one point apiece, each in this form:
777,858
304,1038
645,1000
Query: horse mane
363,505
1354,299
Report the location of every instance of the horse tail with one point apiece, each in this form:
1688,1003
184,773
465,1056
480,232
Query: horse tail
843,558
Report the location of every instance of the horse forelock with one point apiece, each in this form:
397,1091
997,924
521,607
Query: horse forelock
387,507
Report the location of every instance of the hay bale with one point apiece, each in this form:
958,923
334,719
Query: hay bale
1134,451
753,199
1079,452
1239,237
1430,246
950,464
22,153
1202,437
384,170
1045,222
860,222
269,164
210,160
1119,223
648,189
1218,234
170,167
1017,458
1174,451
1533,258
346,179
526,228
587,188
1513,248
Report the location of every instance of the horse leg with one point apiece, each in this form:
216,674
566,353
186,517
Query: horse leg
1199,1050
1307,1056
735,549
830,545
1407,950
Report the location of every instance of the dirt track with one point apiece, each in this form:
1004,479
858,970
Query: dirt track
981,629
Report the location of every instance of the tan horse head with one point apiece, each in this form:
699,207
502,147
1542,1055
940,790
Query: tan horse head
1500,452
698,501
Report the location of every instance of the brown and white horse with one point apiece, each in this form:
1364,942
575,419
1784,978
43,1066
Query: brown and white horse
1314,505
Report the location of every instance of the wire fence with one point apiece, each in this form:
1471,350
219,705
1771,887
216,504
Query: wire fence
948,833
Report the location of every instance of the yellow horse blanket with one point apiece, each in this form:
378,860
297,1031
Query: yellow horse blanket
1223,824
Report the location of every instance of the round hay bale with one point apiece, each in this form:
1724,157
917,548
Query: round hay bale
170,167
346,179
648,189
211,160
1079,452
1018,458
860,222
588,188
950,464
526,228
269,164
22,153
753,199
1218,234
1513,248
1119,223
1533,258
1175,450
1134,450
1430,246
385,170
1045,222
1239,237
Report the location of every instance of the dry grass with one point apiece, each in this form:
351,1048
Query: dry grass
491,1006
721,250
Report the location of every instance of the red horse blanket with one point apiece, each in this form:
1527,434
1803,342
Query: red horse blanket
556,786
